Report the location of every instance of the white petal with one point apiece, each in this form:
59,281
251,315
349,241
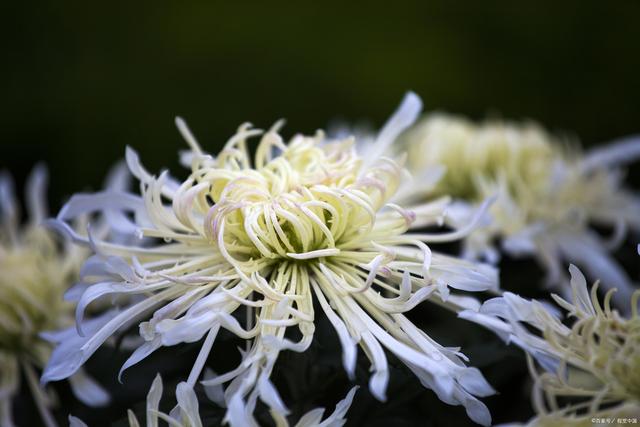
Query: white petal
215,392
140,354
349,349
474,382
497,326
74,293
87,390
614,153
133,421
66,358
337,418
75,422
236,413
270,396
580,292
62,364
36,194
189,328
418,185
464,231
478,412
81,204
587,252
153,401
310,419
380,378
188,403
404,116
188,136
98,290
133,161
8,206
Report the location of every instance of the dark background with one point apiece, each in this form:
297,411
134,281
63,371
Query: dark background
80,81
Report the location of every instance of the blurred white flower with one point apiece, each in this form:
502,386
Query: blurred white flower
250,246
549,195
591,369
35,273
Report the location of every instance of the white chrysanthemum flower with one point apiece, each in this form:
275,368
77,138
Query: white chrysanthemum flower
34,274
592,369
548,194
251,247
186,413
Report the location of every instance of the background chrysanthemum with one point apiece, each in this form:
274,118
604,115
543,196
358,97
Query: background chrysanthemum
36,270
551,197
590,368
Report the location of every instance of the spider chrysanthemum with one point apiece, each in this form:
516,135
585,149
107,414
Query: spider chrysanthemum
591,368
253,244
549,195
35,272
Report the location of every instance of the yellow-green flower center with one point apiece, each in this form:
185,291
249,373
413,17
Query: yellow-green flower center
308,202
522,155
31,288
618,354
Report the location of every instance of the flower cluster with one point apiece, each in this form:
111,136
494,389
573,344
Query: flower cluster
549,195
36,272
252,244
260,243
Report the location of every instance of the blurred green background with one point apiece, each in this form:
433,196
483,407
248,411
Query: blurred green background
79,81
